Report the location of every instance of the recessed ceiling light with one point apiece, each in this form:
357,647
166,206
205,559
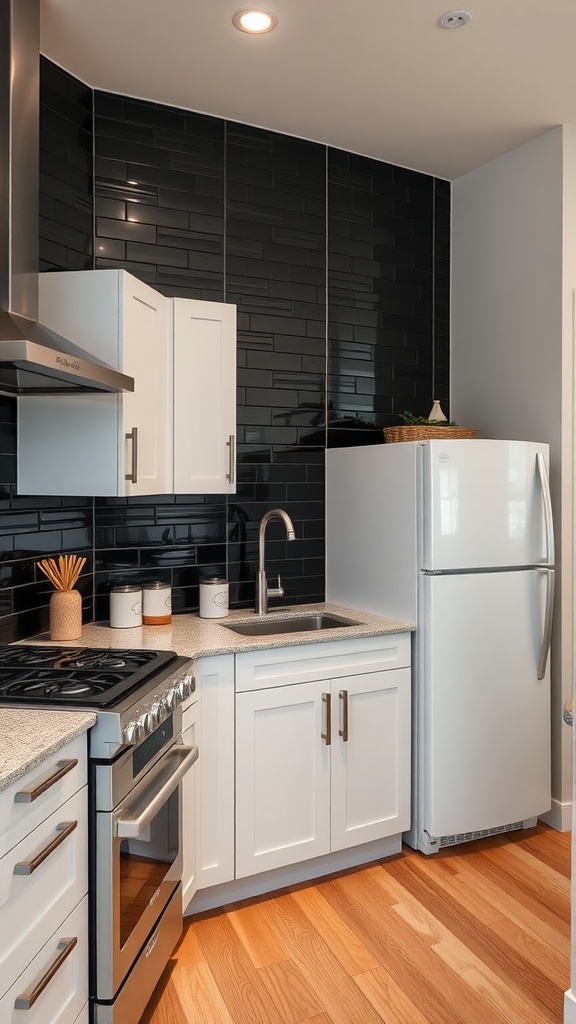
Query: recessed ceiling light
455,19
255,20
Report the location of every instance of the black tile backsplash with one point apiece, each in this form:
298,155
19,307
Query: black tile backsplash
339,266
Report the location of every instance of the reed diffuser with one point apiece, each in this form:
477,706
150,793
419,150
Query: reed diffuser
65,602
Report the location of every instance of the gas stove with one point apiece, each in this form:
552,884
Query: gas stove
132,691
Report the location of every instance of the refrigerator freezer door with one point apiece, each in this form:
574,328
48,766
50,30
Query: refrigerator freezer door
484,760
483,505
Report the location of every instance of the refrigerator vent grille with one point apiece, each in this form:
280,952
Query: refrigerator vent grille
465,837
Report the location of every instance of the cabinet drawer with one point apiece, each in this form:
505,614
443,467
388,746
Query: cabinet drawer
32,903
65,993
20,818
278,666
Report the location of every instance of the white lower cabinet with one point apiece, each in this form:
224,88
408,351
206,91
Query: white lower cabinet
322,749
53,989
190,801
43,892
214,847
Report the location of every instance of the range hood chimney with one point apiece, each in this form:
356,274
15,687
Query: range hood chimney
33,360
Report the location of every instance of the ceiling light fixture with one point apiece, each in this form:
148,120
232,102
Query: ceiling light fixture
255,20
455,19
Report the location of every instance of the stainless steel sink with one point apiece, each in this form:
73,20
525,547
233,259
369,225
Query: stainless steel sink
299,624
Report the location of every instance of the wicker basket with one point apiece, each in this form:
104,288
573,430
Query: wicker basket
427,431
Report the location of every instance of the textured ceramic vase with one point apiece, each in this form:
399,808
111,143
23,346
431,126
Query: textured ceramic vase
65,615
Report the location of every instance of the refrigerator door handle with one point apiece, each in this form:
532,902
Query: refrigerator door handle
547,503
547,631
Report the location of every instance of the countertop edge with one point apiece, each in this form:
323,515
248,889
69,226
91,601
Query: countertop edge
46,731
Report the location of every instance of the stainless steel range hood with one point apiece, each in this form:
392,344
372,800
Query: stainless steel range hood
33,360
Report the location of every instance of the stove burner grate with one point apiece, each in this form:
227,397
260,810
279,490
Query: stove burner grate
75,676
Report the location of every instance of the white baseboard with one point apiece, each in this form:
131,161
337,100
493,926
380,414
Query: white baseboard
559,816
569,1007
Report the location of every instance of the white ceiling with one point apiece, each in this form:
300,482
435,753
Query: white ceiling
377,77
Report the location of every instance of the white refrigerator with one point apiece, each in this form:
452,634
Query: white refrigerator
456,536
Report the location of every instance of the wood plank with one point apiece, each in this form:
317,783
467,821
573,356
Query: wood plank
242,990
341,939
261,942
388,999
293,996
199,993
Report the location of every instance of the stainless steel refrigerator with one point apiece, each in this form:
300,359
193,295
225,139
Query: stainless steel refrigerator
456,536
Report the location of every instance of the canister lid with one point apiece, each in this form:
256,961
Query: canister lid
125,589
213,580
156,585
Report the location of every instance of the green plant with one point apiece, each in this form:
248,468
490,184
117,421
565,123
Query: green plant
414,421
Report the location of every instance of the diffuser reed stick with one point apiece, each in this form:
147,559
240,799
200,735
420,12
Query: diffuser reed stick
63,573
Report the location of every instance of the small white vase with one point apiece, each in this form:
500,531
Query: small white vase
436,415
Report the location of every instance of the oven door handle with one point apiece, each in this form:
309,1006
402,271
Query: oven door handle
135,817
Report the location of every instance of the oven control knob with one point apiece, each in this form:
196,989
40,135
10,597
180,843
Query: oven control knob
132,732
154,716
171,700
142,724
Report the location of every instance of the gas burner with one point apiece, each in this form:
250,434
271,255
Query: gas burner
92,659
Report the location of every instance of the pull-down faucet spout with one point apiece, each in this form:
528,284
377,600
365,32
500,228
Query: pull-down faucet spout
263,591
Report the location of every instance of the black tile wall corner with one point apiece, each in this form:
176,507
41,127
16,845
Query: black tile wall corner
66,186
388,237
340,269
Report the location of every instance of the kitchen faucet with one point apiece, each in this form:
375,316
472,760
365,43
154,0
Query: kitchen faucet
263,591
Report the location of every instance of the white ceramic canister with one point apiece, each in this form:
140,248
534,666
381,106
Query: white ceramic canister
125,607
156,603
213,598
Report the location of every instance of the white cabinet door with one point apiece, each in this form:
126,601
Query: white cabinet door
190,803
282,777
77,444
215,818
204,340
370,766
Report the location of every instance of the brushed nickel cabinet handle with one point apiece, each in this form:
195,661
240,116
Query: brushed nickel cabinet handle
28,998
327,700
133,436
343,732
27,867
230,444
26,796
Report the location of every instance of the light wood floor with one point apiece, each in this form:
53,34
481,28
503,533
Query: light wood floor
479,934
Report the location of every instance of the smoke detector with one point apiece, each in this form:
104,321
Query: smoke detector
455,19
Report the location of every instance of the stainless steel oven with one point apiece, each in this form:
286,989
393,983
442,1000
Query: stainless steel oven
136,765
137,907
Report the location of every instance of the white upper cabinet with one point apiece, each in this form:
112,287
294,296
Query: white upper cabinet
204,353
101,444
175,434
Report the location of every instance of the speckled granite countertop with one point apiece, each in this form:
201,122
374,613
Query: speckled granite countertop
193,637
28,736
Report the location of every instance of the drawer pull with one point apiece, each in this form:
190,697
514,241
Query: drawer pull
26,867
327,700
28,998
343,732
26,796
